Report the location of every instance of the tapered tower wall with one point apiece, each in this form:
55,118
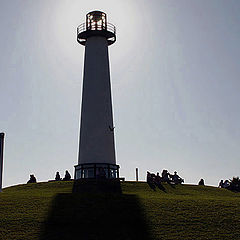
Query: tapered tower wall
96,143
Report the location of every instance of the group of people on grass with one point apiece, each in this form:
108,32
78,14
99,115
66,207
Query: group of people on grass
224,184
156,180
232,184
67,177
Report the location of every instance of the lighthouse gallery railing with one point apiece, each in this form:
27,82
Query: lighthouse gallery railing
96,27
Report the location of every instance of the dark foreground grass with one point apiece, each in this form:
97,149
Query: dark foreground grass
50,211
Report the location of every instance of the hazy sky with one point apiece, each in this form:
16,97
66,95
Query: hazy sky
175,71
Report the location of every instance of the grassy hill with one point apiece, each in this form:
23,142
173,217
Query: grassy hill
52,211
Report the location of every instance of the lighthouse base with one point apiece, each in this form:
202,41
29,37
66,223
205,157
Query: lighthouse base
98,171
97,186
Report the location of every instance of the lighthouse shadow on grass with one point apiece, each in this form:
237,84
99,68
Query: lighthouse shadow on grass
95,216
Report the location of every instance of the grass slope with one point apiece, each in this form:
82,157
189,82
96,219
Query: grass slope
51,211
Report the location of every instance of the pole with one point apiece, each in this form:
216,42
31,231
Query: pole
1,158
137,174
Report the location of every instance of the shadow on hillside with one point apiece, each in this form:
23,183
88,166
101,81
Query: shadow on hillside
106,216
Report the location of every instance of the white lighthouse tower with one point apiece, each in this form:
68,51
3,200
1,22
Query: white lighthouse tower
96,158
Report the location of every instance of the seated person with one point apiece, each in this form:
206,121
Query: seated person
150,180
201,182
221,184
176,179
58,178
226,184
153,176
157,182
67,176
157,178
148,176
165,176
32,179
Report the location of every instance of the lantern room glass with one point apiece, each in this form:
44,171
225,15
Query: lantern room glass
97,171
96,20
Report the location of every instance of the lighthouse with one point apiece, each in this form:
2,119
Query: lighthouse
96,159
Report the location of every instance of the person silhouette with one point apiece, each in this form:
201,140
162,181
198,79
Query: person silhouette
201,182
32,179
150,181
221,184
58,178
67,176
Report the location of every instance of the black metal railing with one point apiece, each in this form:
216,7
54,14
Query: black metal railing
96,27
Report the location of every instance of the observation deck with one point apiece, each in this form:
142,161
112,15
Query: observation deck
96,25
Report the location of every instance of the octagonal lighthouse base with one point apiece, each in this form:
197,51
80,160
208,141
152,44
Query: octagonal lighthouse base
96,171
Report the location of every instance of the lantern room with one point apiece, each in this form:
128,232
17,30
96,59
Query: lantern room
96,25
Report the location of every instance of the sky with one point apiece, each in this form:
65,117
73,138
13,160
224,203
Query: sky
175,71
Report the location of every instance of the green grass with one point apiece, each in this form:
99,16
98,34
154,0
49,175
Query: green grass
51,211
